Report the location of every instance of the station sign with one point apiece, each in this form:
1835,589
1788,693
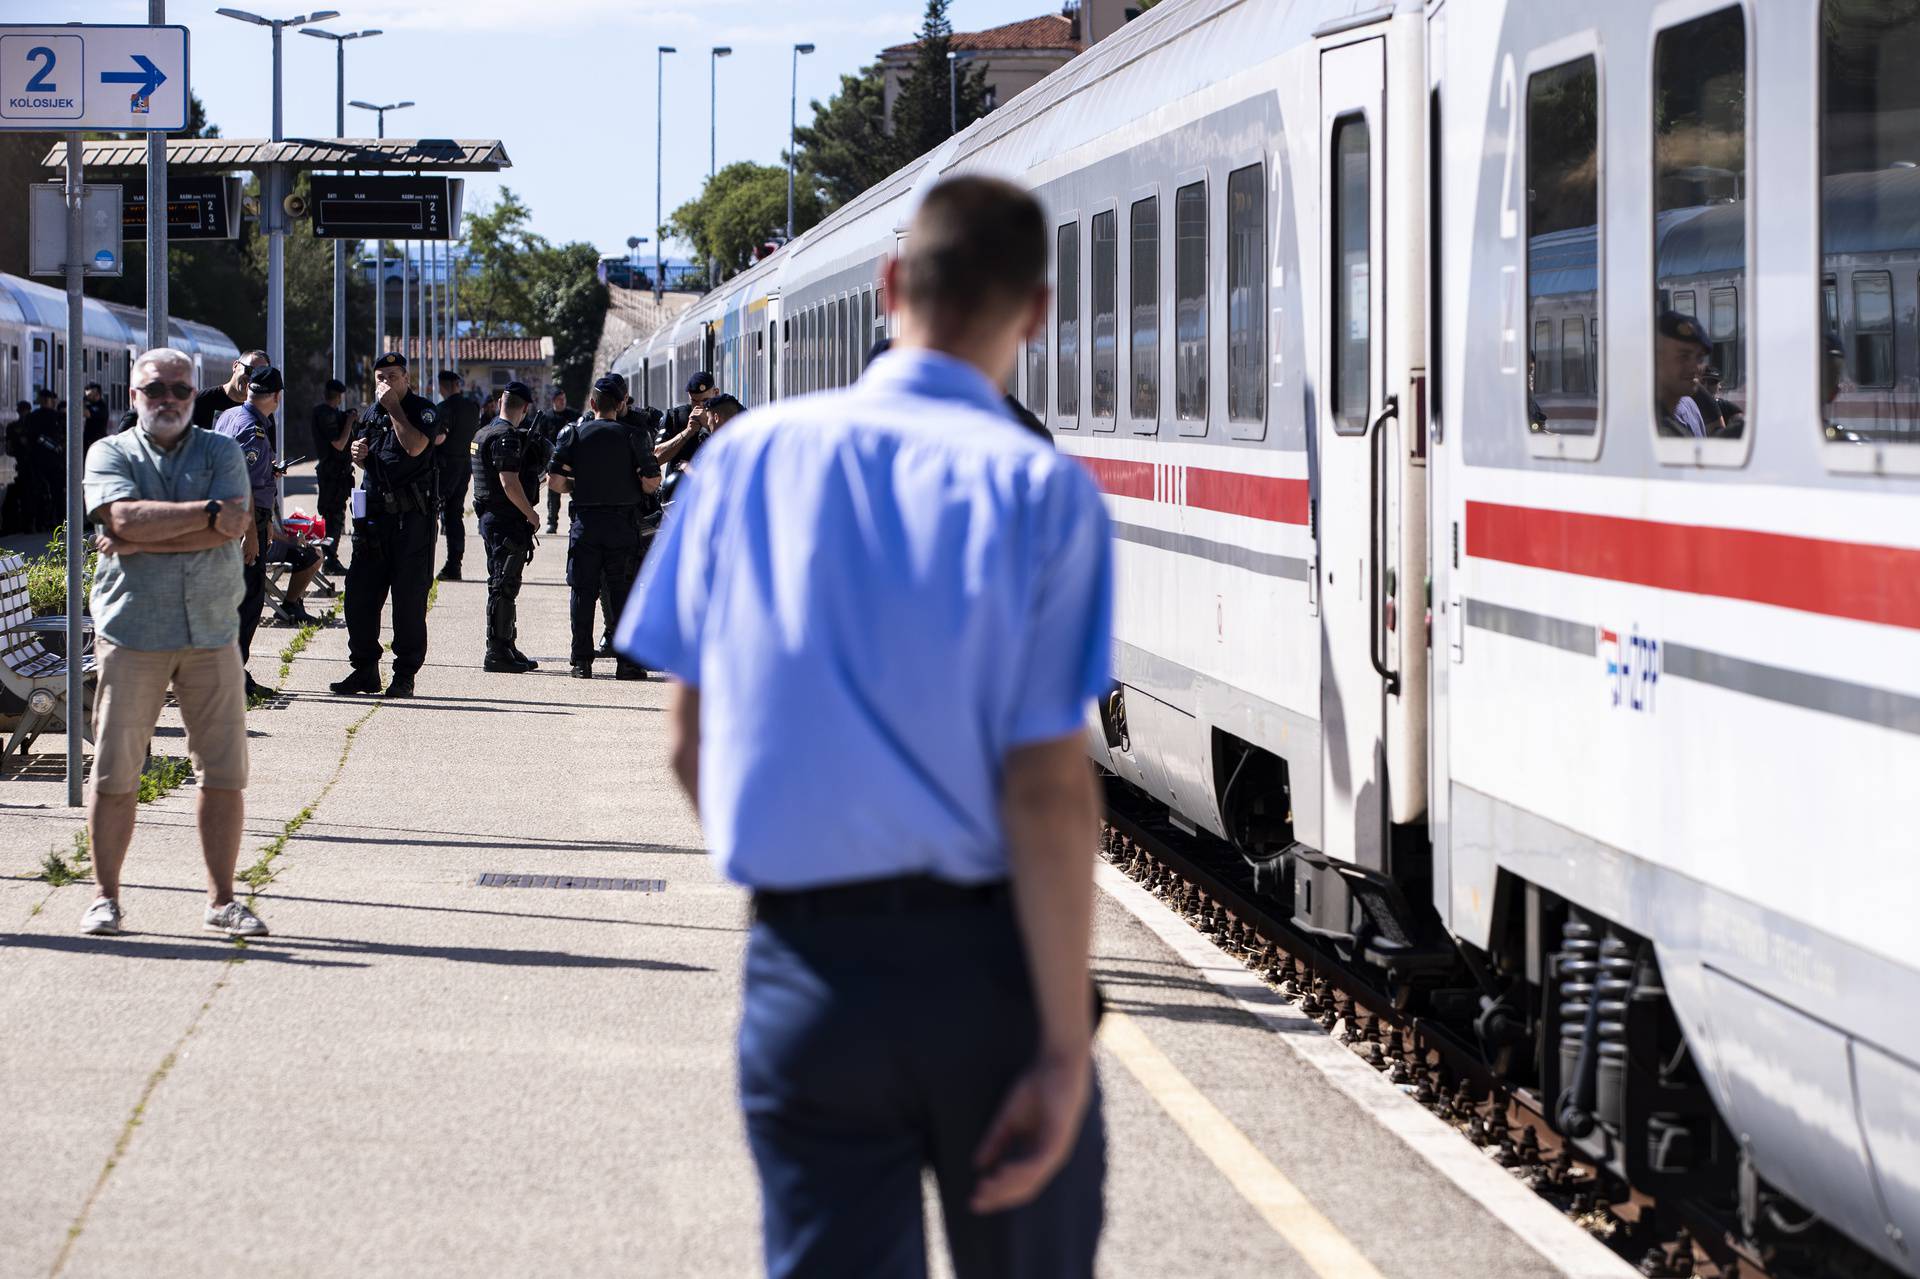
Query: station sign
345,207
47,230
81,77
199,207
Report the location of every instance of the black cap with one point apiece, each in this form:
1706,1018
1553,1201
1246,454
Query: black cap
1682,327
611,383
1710,374
390,360
265,381
701,381
91,386
335,386
519,391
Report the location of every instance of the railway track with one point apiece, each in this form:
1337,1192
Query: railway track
1214,889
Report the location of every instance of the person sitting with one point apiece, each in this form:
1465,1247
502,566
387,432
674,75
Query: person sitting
303,565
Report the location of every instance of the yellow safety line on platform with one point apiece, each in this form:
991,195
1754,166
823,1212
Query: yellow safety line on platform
1317,1240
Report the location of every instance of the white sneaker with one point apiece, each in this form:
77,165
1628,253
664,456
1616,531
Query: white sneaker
102,918
235,920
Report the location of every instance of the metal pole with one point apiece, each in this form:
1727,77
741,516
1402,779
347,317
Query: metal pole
379,267
406,309
339,246
453,306
953,96
426,316
659,159
793,120
157,328
76,538
276,218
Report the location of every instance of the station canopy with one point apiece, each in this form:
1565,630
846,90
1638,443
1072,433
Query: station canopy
367,155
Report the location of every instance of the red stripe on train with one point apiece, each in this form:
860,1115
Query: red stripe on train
1839,579
1258,497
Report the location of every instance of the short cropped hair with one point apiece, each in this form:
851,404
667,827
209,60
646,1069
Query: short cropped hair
976,246
605,402
160,357
248,357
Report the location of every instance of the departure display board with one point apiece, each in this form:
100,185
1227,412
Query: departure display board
199,207
346,207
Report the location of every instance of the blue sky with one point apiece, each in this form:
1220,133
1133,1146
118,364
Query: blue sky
572,99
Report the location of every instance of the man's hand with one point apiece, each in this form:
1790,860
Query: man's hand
359,452
1033,1134
234,519
107,544
389,396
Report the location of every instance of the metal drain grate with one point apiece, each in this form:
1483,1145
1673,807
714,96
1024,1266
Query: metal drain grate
496,879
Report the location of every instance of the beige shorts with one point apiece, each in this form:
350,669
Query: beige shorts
211,687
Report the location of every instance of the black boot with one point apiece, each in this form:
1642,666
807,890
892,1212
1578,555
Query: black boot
366,681
581,670
399,686
624,669
450,573
505,664
524,659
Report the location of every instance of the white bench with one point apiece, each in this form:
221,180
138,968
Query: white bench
31,671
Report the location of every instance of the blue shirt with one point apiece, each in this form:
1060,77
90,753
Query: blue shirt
253,432
156,602
879,593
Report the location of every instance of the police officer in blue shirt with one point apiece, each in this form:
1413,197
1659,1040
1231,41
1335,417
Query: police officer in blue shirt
250,425
609,468
888,610
394,529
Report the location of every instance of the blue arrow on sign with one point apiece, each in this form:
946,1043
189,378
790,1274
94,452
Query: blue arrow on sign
148,77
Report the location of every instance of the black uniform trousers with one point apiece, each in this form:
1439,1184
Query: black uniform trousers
255,577
553,509
509,543
855,1075
603,558
335,487
392,555
454,483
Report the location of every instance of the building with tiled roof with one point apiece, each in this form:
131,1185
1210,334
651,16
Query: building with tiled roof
1018,55
488,364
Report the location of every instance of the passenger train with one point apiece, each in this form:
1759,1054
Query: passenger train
33,344
1604,733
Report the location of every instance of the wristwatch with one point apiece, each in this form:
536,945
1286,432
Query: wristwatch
213,511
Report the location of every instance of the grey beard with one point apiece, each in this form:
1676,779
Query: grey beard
163,427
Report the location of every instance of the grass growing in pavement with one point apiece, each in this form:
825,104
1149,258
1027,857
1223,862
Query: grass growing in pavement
162,775
59,871
261,873
304,636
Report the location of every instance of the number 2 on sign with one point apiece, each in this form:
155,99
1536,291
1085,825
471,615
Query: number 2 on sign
40,83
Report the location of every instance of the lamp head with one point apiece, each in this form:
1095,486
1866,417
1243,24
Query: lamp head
722,51
803,48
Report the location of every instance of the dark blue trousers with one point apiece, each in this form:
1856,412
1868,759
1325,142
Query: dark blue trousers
872,1047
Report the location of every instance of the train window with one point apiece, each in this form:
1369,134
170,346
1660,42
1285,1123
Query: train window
1573,357
1143,310
1684,303
866,325
1067,319
1563,242
1190,302
1870,203
1037,372
849,357
1247,294
1700,218
1352,215
1105,354
1873,329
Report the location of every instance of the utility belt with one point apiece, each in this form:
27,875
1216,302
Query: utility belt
421,494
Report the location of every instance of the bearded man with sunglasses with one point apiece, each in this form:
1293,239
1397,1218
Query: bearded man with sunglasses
172,502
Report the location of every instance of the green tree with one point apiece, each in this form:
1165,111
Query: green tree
739,209
929,106
494,296
568,303
847,147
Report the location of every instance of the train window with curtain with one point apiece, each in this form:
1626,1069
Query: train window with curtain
1037,373
1190,303
850,348
1105,353
1563,243
1352,216
1869,209
1143,309
1247,294
1067,320
1873,329
1700,223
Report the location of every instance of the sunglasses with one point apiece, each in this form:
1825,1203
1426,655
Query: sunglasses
165,390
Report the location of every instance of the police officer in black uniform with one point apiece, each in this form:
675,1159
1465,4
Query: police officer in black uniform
461,418
394,532
508,459
333,468
550,424
609,468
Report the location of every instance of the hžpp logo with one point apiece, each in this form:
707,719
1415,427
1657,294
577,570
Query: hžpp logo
1632,668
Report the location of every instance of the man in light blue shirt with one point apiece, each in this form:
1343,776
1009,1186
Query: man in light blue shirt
888,610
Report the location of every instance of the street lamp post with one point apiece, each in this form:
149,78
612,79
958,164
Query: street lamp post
339,131
379,245
274,213
659,159
713,132
793,121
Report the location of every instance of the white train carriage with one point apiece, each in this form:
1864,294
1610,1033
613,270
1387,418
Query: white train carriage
1604,734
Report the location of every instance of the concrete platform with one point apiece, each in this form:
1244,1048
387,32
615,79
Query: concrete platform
420,1076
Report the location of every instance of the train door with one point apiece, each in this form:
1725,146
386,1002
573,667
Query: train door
1353,689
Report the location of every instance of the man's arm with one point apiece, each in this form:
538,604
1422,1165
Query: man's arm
517,494
411,437
559,483
345,438
136,520
683,741
1052,818
649,483
200,540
